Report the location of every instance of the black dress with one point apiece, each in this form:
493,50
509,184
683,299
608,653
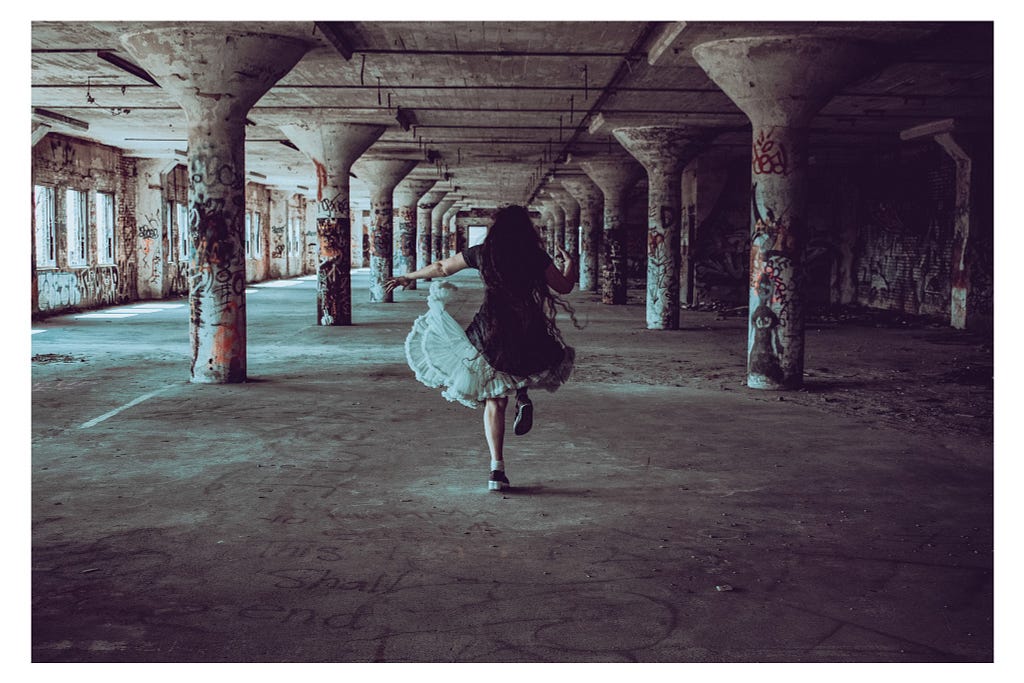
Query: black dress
525,345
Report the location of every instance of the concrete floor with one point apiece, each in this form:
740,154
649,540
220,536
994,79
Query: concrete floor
332,509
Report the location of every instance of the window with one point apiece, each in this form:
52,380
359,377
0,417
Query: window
257,238
248,234
46,229
253,243
105,227
77,214
184,239
295,236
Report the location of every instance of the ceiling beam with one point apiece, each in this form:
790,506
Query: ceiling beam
335,38
125,65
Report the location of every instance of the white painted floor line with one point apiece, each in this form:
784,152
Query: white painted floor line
38,331
277,283
105,315
251,291
126,406
134,309
308,277
160,306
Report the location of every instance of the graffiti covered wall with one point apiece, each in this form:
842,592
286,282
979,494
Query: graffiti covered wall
879,233
65,163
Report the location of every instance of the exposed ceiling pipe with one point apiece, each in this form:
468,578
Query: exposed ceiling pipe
637,51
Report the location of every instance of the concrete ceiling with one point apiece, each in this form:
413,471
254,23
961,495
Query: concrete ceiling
500,106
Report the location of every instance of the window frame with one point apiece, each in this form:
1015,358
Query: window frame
46,235
106,254
257,250
76,226
184,246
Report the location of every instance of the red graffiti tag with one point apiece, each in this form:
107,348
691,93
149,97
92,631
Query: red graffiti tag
769,156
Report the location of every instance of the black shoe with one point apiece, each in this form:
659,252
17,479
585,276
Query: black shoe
524,417
498,481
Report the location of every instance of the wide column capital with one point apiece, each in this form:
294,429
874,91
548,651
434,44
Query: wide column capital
784,80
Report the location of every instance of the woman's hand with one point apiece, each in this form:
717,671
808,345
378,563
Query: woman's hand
400,281
563,253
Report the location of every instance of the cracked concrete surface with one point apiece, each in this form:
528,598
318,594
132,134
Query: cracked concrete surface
332,509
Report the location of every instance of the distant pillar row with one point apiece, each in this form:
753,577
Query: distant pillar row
424,228
590,200
571,236
438,228
333,147
407,195
662,151
216,101
555,223
382,175
448,226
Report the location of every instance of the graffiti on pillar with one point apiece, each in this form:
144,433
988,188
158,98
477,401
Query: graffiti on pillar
381,252
669,217
331,236
335,207
407,233
423,256
334,292
277,241
333,286
773,249
149,231
662,266
613,265
774,286
438,244
380,234
769,155
766,346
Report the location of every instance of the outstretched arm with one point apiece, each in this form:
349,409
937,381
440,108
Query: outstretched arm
442,268
564,279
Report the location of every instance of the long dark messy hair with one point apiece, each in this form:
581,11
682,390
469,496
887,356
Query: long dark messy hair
515,291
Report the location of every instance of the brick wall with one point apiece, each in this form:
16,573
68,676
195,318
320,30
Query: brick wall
62,162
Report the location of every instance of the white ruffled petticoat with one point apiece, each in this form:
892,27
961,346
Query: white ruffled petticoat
441,355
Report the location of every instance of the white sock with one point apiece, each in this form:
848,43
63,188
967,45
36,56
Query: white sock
498,465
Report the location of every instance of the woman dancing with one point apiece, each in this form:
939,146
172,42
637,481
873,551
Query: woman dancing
513,343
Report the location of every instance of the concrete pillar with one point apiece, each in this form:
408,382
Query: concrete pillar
425,227
448,231
437,229
333,147
960,274
151,226
614,176
278,254
780,83
590,200
458,234
216,76
571,209
704,179
555,222
663,151
382,176
407,194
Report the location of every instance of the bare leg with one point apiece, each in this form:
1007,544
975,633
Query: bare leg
494,426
